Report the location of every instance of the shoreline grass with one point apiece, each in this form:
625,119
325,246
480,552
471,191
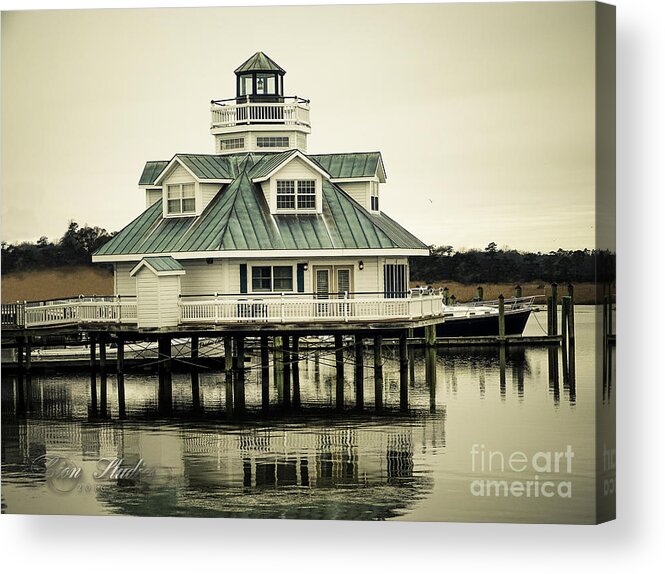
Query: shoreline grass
42,284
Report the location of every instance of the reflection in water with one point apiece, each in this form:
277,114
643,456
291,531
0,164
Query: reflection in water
256,446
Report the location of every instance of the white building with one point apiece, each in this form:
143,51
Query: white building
261,230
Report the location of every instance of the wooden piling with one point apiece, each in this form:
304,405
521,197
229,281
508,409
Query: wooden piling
430,376
228,374
165,376
286,366
555,303
278,367
502,319
378,372
120,374
565,302
359,372
430,336
265,373
446,295
239,385
479,293
93,371
403,371
571,317
28,354
102,374
610,319
339,367
412,360
295,369
20,348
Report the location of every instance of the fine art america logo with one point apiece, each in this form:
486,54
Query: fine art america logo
545,473
63,476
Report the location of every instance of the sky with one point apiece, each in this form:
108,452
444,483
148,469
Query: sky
484,113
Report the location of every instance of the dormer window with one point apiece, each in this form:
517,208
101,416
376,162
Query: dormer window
296,194
181,199
374,195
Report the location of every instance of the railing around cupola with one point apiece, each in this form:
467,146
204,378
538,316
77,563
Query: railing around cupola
229,113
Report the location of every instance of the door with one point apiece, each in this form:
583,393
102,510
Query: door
343,281
322,282
322,276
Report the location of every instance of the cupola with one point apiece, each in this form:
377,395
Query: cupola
260,118
259,79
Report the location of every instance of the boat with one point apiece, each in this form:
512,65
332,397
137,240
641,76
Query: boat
481,318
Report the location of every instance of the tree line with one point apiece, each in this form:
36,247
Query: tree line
494,265
75,247
489,265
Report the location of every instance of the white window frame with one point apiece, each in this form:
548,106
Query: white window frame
235,140
296,194
272,278
374,193
180,197
272,139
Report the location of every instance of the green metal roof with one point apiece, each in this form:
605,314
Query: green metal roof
259,62
238,218
260,164
164,263
151,170
210,166
350,165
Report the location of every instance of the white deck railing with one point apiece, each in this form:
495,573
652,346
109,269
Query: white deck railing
80,310
293,112
288,309
236,309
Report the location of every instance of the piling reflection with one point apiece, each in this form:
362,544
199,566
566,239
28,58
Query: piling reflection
254,442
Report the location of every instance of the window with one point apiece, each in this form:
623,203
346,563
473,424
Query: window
261,279
286,194
272,141
374,199
265,84
306,194
180,198
232,143
245,85
395,281
304,199
278,278
282,279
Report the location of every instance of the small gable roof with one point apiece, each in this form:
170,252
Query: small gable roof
259,62
352,165
163,265
265,171
150,172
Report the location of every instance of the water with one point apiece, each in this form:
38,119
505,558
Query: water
317,462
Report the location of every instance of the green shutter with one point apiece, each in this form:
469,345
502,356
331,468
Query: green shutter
243,278
300,279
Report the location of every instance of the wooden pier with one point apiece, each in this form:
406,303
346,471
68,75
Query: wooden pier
280,348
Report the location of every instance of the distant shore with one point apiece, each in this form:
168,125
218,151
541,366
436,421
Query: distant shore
64,282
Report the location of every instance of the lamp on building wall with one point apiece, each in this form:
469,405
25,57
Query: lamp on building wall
305,267
361,265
